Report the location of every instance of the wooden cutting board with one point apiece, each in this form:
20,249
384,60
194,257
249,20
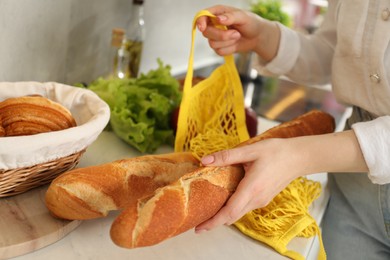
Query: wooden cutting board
26,225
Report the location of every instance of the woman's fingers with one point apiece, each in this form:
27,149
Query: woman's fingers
263,180
233,156
241,34
248,196
224,16
215,34
231,212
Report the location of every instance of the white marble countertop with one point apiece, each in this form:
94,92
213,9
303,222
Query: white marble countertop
91,239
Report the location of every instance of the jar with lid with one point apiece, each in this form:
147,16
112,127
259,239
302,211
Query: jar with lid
119,56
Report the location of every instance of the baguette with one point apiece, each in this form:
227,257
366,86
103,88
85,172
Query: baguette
197,196
91,192
176,208
314,122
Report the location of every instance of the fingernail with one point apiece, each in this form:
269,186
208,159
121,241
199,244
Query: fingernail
200,231
236,35
222,17
207,159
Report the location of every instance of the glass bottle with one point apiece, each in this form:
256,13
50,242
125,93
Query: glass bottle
135,35
119,54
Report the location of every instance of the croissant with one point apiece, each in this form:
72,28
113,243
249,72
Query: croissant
28,115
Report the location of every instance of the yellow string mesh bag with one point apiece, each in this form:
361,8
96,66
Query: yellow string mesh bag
212,115
212,118
285,217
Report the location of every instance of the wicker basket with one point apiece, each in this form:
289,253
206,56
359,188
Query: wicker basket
27,162
16,181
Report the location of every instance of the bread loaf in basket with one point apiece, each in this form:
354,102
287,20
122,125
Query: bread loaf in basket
29,161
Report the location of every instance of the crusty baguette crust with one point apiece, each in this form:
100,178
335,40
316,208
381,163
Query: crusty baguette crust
92,192
314,122
199,195
2,130
177,207
28,115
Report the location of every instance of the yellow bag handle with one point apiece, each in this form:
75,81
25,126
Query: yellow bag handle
229,59
293,232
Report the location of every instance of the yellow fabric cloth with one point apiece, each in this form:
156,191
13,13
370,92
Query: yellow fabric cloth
212,118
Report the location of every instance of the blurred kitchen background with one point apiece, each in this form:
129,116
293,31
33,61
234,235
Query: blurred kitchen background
68,41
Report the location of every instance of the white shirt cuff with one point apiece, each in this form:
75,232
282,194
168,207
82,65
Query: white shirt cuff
373,137
286,56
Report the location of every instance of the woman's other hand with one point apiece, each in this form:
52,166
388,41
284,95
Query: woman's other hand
246,32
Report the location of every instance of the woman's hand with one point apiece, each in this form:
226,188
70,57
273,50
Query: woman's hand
246,32
270,165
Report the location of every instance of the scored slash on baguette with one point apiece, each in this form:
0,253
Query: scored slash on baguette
177,207
91,192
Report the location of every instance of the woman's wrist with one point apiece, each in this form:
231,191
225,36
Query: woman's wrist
335,152
267,44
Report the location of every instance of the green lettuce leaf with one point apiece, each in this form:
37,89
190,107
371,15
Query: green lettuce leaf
141,108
